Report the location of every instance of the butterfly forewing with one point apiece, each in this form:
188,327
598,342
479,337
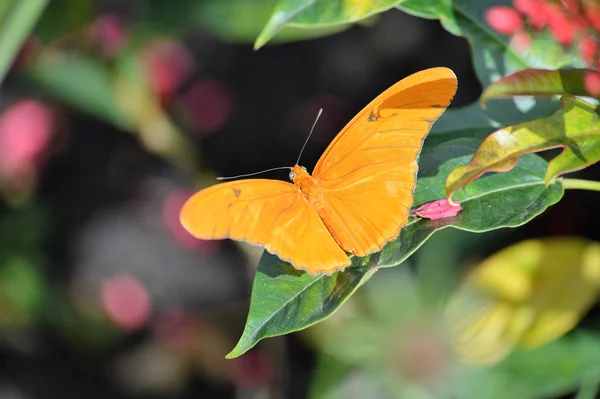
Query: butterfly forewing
368,173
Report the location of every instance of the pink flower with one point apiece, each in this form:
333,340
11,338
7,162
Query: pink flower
167,63
208,104
591,82
126,302
561,27
26,131
521,40
588,48
503,19
439,209
111,34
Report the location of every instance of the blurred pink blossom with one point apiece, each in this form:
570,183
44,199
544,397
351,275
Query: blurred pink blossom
26,132
592,83
252,370
110,33
167,64
126,302
209,105
177,328
170,216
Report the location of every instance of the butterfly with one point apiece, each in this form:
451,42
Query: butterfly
359,194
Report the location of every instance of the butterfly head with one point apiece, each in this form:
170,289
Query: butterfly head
298,173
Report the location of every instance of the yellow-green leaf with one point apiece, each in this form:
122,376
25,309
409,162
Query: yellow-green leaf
17,19
319,13
524,296
575,127
539,83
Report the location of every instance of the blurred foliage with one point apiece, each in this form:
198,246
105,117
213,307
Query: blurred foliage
112,113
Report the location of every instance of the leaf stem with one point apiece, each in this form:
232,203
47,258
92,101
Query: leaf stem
580,184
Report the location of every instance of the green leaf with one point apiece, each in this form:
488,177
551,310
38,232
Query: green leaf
319,13
286,300
433,9
538,82
81,82
17,19
66,19
552,370
227,20
575,128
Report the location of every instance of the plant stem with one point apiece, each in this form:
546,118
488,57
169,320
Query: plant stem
580,184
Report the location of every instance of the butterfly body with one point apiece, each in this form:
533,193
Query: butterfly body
356,200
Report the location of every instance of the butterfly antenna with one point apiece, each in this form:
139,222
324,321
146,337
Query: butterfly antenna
309,134
253,174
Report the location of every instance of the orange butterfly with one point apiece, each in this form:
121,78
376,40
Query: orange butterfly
358,197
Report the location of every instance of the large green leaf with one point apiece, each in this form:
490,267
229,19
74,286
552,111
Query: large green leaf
575,128
319,13
285,300
17,19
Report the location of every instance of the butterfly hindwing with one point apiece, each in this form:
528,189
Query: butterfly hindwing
270,213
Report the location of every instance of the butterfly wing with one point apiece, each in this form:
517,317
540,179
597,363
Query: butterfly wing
271,213
368,173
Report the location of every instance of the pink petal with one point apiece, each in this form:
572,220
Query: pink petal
26,131
439,209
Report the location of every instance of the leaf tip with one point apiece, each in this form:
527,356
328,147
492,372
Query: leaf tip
236,352
483,101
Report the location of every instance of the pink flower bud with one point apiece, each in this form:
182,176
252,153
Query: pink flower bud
26,131
209,105
111,34
167,64
439,209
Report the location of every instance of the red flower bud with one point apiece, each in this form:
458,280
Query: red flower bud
592,83
562,28
503,19
588,48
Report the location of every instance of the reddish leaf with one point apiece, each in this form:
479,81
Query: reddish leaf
540,83
575,128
